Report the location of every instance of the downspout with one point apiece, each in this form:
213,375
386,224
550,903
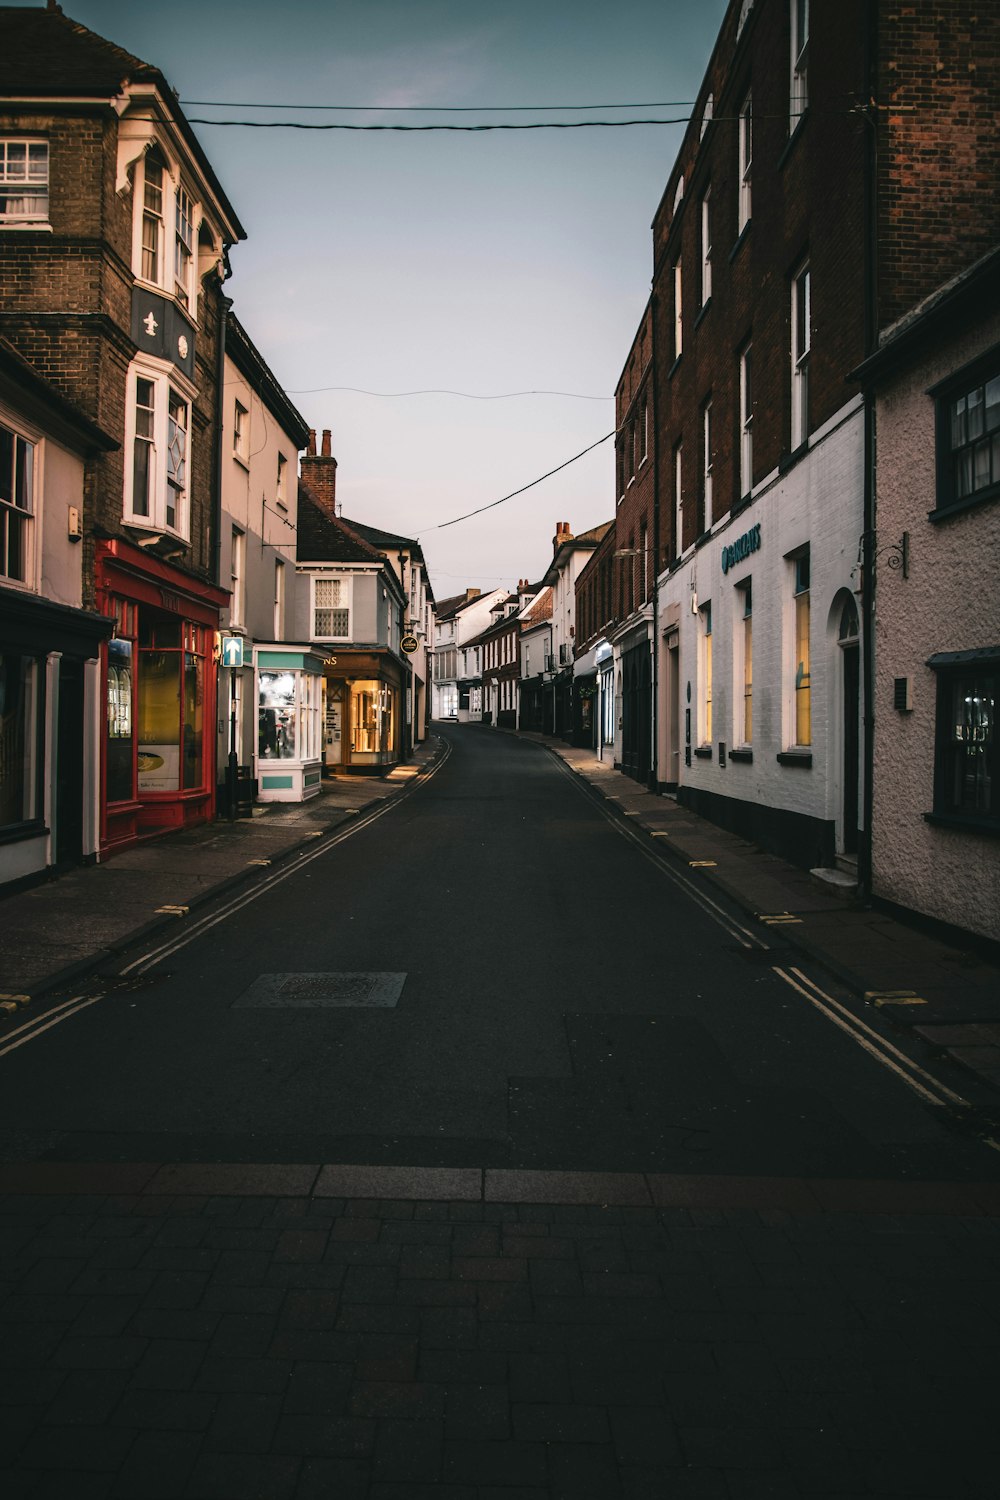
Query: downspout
655,766
225,303
870,497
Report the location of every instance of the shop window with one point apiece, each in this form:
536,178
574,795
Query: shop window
20,731
803,676
968,437
17,470
967,776
744,595
157,485
373,718
277,719
705,615
24,183
171,704
121,734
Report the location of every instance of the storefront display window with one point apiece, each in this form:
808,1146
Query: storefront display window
171,704
121,735
288,715
19,723
373,718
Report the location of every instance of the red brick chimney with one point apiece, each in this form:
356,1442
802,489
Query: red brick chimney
563,534
319,472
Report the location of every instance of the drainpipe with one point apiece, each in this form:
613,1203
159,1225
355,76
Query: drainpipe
655,768
225,303
870,497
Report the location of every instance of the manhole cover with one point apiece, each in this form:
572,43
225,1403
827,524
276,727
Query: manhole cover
319,991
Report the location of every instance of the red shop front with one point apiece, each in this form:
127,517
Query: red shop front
159,680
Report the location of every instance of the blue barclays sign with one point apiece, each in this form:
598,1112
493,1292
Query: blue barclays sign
742,548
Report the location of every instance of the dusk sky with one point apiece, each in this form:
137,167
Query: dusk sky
482,263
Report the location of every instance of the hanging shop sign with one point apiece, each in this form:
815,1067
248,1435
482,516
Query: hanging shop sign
742,548
409,644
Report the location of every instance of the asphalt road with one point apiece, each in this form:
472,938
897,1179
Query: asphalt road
566,1005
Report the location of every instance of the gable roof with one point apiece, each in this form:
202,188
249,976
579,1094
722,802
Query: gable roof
326,538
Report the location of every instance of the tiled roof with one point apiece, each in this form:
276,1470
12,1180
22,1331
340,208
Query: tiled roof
43,52
541,609
326,538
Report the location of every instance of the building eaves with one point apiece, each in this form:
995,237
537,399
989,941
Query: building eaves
249,360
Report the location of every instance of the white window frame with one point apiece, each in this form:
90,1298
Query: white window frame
678,309
801,345
32,190
279,598
16,517
705,695
166,382
241,430
281,482
678,499
237,576
706,464
346,582
745,162
746,420
743,663
706,247
178,220
798,93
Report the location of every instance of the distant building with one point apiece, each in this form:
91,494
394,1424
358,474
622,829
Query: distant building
569,554
457,681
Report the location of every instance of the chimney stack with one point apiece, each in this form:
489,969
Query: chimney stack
471,594
563,534
319,473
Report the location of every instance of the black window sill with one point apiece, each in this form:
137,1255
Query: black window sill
959,507
703,309
803,117
674,366
741,241
703,752
963,823
702,538
744,755
801,758
739,506
16,833
788,460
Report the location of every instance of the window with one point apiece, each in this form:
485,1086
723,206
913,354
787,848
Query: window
968,435
678,501
744,594
157,488
799,91
644,430
237,578
706,466
678,310
803,683
966,772
24,182
280,491
705,614
706,247
801,319
288,711
183,246
746,422
644,561
745,161
241,430
17,468
20,738
331,608
279,599
152,219
170,709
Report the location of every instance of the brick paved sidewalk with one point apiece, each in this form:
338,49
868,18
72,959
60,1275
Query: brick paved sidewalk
253,1346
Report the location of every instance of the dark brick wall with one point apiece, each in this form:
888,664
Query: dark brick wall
807,202
939,145
595,594
634,528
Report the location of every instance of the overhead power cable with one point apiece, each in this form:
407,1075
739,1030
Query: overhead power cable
494,503
424,129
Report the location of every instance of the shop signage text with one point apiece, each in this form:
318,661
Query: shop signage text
741,548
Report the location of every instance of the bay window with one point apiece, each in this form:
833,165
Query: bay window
158,470
161,199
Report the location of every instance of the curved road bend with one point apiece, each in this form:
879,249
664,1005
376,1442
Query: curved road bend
565,1005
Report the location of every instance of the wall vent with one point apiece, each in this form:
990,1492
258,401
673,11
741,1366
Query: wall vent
902,694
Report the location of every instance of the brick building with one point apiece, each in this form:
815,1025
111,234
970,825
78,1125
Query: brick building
594,665
114,234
